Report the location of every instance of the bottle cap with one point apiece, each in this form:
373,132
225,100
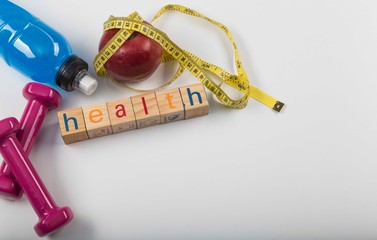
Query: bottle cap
72,72
87,84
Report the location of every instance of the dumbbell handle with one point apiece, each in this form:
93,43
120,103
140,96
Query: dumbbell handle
31,122
26,176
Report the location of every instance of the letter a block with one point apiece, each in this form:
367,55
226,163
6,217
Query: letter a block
170,105
194,100
72,125
146,110
97,120
122,117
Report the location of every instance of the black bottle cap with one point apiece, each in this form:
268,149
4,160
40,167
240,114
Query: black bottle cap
68,72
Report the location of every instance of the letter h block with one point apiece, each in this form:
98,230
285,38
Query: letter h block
194,100
72,125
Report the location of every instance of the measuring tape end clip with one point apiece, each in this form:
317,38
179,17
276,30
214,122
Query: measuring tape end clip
278,106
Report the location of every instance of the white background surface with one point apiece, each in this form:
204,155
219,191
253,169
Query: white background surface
309,172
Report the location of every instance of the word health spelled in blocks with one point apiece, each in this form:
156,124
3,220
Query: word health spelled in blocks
139,111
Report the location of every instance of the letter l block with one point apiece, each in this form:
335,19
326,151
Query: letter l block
146,110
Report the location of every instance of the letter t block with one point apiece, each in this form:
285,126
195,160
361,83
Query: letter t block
170,105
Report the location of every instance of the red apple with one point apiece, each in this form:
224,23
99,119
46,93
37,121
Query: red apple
135,60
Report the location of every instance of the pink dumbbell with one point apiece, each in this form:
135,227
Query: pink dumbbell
40,98
51,217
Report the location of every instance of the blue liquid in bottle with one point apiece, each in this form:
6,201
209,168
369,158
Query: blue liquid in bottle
38,51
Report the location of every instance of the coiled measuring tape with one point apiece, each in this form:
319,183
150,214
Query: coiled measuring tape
198,67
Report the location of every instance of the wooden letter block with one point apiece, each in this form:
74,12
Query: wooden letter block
170,105
122,117
146,110
72,125
97,120
194,100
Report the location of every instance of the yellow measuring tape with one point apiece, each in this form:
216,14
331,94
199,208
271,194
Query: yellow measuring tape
198,67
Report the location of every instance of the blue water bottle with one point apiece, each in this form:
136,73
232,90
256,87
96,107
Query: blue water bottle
35,49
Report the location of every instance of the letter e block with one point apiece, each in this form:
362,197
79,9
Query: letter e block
72,125
170,105
194,100
97,120
122,117
146,110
